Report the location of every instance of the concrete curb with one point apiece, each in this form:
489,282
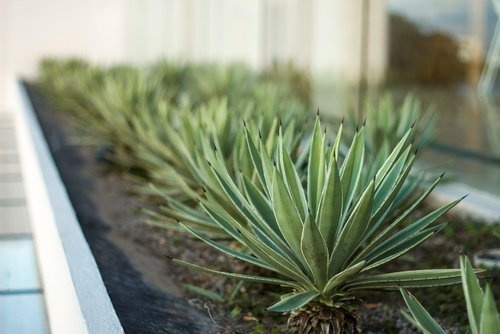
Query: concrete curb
75,295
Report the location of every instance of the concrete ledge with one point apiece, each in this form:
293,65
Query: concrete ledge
75,296
478,205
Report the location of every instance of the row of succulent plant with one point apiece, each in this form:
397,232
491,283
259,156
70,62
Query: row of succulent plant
227,153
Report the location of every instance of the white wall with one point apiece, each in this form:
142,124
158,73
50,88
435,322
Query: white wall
323,36
32,29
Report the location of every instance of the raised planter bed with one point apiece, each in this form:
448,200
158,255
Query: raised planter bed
89,270
143,286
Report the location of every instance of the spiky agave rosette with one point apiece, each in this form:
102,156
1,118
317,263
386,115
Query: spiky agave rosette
324,238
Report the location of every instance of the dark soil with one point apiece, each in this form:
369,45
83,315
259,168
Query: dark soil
147,288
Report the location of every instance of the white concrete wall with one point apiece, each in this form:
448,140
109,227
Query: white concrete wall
323,36
32,29
336,36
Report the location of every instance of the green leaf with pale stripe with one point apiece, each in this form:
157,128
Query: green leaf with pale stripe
410,230
352,232
350,172
294,301
250,278
490,319
230,251
422,318
341,278
279,261
395,251
473,294
257,161
314,251
292,181
286,214
406,279
331,205
385,233
316,168
403,143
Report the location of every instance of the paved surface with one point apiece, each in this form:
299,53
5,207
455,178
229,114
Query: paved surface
22,308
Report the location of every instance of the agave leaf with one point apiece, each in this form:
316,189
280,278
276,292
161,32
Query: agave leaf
406,279
261,205
422,318
267,167
292,180
316,168
382,236
230,251
250,278
314,251
278,260
473,294
403,247
490,320
204,292
387,183
294,301
350,171
341,278
402,144
388,202
336,142
330,206
227,223
286,214
412,320
352,232
257,161
410,230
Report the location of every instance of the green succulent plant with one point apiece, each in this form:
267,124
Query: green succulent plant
481,308
386,124
324,234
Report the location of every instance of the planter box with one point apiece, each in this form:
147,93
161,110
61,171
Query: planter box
90,285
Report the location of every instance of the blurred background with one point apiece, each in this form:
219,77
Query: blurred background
352,50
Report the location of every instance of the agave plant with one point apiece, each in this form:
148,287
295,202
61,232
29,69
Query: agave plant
324,237
192,148
386,124
481,308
